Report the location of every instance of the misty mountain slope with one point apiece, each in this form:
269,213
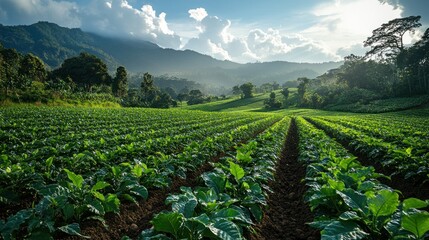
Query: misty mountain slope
53,44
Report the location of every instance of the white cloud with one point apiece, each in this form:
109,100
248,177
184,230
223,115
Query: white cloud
119,18
64,13
198,14
339,27
344,22
355,49
217,39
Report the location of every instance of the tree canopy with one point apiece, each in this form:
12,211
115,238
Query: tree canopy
388,40
86,70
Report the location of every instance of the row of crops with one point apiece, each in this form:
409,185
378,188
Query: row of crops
349,200
400,143
73,165
62,167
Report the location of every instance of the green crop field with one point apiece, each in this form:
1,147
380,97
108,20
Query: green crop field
68,173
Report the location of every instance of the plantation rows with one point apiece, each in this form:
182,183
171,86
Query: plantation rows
349,200
78,164
397,143
63,168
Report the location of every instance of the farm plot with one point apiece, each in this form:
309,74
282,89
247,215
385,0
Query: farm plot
399,143
231,197
61,166
348,198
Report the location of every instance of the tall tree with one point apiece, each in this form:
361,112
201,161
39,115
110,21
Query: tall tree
33,68
120,82
236,90
388,40
148,90
247,89
10,63
302,88
285,92
272,102
86,70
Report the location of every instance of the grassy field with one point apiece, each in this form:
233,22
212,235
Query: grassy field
255,104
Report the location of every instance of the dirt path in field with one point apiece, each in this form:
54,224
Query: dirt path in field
408,187
288,214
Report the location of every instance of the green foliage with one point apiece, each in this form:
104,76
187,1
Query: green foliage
349,199
85,71
120,82
232,194
247,90
272,102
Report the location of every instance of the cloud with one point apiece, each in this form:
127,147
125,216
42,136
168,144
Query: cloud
118,18
345,23
198,14
26,12
411,8
356,49
217,39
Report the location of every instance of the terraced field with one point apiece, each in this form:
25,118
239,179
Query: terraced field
72,173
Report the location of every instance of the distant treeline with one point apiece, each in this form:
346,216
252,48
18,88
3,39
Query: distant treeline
25,78
389,69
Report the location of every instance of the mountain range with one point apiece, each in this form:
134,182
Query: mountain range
53,44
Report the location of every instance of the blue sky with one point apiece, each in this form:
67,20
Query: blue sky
237,30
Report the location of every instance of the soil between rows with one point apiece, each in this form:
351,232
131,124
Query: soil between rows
135,218
287,215
409,187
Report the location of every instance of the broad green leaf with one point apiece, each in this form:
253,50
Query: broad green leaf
256,211
49,162
98,195
112,203
208,196
168,222
355,200
384,203
14,223
96,207
417,223
137,171
236,171
100,185
72,229
343,230
140,191
68,211
337,185
225,230
349,215
76,179
243,156
232,213
116,170
183,203
215,181
414,203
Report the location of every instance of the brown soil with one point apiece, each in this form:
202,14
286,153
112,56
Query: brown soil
135,218
287,214
416,188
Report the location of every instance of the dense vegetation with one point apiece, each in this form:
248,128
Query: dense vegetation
62,168
389,69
